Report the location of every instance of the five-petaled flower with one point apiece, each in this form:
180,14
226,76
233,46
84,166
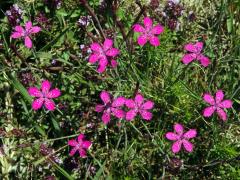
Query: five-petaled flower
103,53
195,54
148,32
217,104
44,96
138,106
25,33
80,145
110,106
181,138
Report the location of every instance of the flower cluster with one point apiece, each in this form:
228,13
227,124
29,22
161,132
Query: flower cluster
121,107
14,15
172,11
114,107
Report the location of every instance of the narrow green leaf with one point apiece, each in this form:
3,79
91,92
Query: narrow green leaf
12,79
46,47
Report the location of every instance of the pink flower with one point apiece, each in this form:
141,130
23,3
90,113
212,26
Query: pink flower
103,53
217,104
25,33
81,145
195,54
138,106
110,106
44,96
148,32
181,138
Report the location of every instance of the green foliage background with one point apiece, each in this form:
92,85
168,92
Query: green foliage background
122,150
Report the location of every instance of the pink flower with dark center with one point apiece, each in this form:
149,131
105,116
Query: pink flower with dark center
44,96
110,106
138,106
20,32
148,32
80,145
195,54
103,53
181,138
217,104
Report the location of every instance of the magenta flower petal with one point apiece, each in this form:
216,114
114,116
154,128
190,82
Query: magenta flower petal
35,29
46,85
138,28
142,40
207,112
225,104
114,63
19,29
139,99
87,144
16,35
37,103
146,115
106,117
222,114
54,93
101,69
119,101
28,26
130,103
130,115
187,145
80,138
147,22
190,134
148,105
119,113
194,48
158,29
199,46
33,91
187,58
112,52
103,62
219,96
108,43
72,142
190,47
96,47
154,41
203,60
82,153
172,136
178,128
99,108
209,99
176,146
93,58
105,96
73,151
49,104
28,42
